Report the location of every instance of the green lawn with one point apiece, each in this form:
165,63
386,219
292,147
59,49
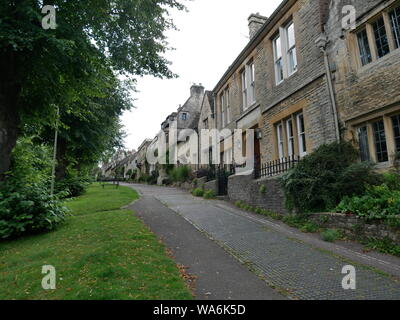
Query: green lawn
101,252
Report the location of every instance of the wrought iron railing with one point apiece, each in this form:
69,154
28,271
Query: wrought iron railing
274,168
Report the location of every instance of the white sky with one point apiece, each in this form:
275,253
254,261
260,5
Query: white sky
211,35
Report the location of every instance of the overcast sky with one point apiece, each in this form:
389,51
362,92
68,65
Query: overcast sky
211,35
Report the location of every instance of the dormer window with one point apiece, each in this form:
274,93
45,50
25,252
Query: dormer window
184,116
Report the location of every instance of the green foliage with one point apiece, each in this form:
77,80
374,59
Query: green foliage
25,202
378,203
383,245
209,194
28,209
392,180
80,65
180,174
320,180
198,192
309,227
208,172
330,235
73,185
263,189
144,178
296,220
108,244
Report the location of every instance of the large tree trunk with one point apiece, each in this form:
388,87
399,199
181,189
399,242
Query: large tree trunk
9,114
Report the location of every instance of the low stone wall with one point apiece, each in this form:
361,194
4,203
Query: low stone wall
355,227
246,189
211,185
201,181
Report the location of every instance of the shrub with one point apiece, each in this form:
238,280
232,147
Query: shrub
383,245
296,221
198,192
330,235
392,180
238,204
144,178
378,203
320,180
73,186
25,202
28,209
208,172
309,227
209,194
180,174
263,189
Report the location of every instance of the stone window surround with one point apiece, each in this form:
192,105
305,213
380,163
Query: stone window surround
368,121
366,23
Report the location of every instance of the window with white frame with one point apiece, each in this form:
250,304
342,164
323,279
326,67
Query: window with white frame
301,132
278,60
223,110
244,88
279,133
290,137
252,75
285,54
291,49
248,86
227,106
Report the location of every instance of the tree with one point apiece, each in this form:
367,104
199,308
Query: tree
41,69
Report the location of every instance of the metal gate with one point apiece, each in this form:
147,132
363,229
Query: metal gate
222,174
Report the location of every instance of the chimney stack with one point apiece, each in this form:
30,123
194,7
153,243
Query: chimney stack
196,90
256,21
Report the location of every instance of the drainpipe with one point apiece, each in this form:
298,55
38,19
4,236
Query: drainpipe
322,43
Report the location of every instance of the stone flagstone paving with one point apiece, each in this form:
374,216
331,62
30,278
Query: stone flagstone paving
300,270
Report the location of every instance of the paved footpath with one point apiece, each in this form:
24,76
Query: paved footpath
298,266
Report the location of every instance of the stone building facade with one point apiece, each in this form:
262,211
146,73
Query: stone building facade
188,116
206,122
142,164
365,62
278,84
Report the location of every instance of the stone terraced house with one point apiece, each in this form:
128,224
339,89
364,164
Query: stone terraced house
278,85
365,64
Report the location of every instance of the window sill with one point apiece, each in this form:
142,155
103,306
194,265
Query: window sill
286,79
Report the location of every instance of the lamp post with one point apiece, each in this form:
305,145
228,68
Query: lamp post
53,171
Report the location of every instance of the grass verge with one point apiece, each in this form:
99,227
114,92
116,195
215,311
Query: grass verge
100,253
